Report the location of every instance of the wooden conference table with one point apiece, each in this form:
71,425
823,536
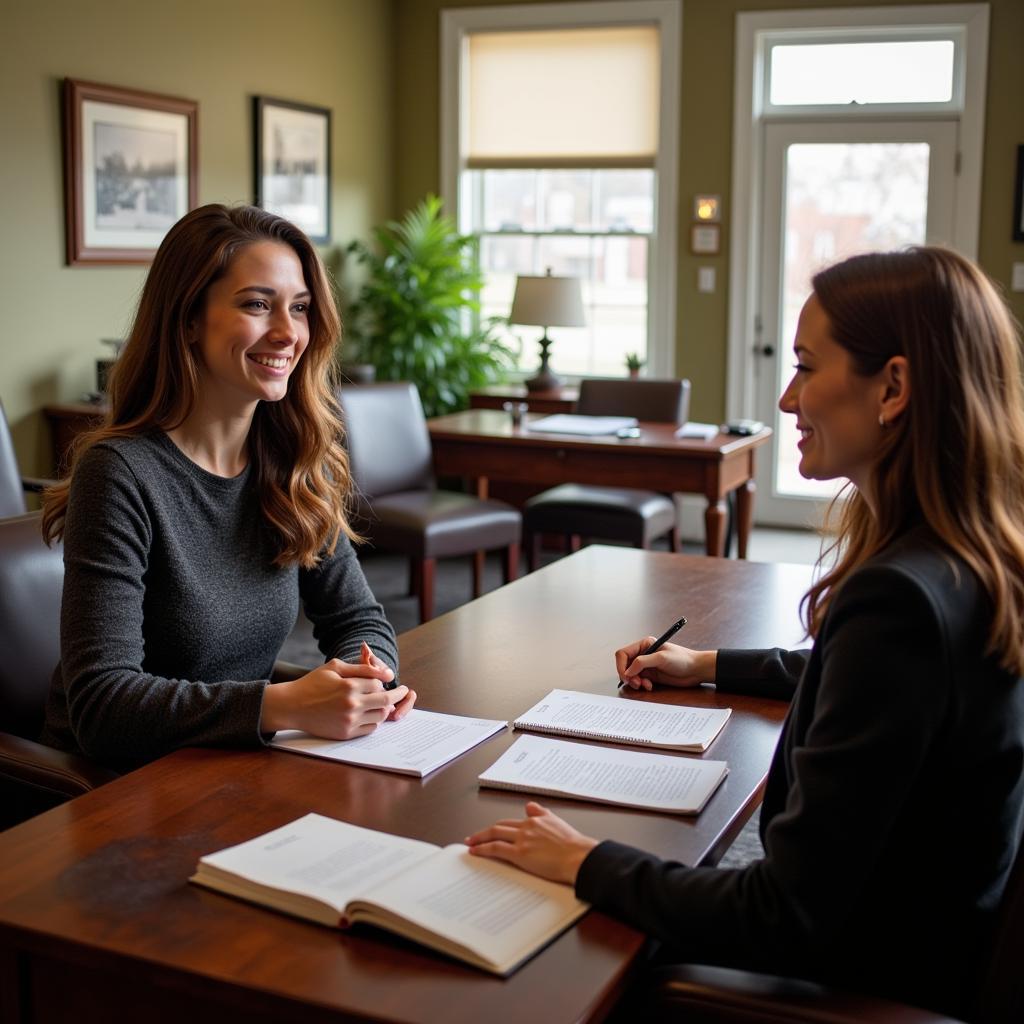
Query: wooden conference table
483,444
98,922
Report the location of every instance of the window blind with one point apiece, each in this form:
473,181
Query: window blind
563,98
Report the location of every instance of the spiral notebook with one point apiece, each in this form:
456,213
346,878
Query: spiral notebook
642,722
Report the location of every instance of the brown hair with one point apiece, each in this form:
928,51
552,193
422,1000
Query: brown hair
954,460
301,467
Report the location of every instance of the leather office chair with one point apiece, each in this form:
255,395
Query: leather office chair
33,777
715,995
13,485
611,513
399,508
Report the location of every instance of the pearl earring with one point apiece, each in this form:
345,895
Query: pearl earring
881,420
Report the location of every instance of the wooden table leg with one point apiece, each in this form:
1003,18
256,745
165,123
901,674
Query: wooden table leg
482,487
714,527
744,515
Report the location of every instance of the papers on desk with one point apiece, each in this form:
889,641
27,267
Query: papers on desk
644,723
630,778
698,431
590,426
417,745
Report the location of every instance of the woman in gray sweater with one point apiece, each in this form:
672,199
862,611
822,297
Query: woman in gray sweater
208,506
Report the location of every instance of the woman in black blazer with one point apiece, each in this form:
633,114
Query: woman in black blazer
895,801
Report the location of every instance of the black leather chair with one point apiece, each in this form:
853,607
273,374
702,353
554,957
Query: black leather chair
716,995
33,777
398,506
13,486
611,513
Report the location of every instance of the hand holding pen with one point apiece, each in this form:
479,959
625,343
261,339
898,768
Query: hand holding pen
642,664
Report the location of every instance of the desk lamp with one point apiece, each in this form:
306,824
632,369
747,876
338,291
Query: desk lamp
547,302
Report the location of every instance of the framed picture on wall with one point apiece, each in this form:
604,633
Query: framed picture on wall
130,170
293,163
1018,199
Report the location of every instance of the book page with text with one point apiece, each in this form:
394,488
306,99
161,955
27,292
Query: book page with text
417,745
495,914
570,712
328,860
633,778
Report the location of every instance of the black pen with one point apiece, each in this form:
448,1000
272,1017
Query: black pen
662,640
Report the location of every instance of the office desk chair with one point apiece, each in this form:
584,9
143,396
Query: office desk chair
715,995
611,513
14,486
398,506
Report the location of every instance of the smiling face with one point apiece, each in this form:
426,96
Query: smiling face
836,408
254,327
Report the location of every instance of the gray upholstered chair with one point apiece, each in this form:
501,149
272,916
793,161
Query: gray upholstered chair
611,513
398,506
13,486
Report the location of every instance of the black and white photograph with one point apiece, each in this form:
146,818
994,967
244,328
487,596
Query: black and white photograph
293,163
130,169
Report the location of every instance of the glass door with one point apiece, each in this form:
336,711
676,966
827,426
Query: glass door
832,190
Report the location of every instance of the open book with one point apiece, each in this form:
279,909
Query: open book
489,914
417,745
571,713
632,778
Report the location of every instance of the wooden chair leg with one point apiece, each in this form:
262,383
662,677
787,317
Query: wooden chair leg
478,572
673,537
533,550
426,573
510,563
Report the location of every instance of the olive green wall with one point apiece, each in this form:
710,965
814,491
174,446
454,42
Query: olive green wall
706,151
333,53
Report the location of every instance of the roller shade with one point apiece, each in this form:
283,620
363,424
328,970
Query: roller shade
565,98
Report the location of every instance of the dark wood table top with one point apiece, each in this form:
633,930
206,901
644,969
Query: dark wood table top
490,426
102,881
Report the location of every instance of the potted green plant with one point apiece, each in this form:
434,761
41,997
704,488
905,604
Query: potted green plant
634,363
416,315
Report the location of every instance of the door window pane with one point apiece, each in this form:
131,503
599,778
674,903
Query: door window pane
841,73
840,199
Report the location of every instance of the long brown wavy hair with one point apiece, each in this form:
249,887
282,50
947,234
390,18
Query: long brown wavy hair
954,459
295,444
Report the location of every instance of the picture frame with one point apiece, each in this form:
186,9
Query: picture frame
131,163
292,163
1018,198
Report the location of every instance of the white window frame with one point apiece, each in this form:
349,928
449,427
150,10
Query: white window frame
966,24
457,23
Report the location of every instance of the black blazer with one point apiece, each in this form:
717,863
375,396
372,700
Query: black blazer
893,808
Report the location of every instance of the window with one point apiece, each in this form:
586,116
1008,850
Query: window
808,74
558,143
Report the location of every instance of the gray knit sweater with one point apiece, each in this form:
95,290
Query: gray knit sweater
173,611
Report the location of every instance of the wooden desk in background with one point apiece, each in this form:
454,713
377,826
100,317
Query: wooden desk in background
67,420
98,922
482,444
